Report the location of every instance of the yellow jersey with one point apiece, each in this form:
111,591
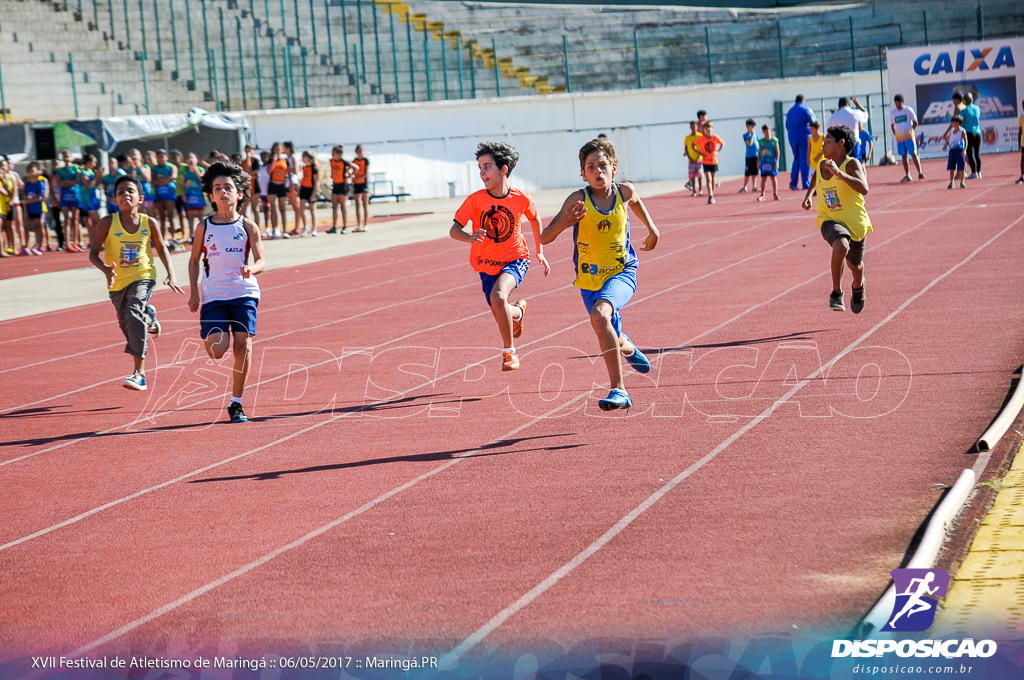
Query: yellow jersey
128,253
837,202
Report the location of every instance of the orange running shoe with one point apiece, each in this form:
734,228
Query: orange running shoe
509,361
517,326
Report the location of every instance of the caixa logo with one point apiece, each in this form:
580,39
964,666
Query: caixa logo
963,61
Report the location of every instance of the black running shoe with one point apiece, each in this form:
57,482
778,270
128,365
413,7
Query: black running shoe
835,301
236,413
857,299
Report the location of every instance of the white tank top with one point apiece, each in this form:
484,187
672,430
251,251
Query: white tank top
225,250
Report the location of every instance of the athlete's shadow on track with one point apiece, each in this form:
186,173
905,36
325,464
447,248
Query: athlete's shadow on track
377,406
436,456
802,335
381,406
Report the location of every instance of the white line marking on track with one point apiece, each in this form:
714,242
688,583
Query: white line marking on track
451,659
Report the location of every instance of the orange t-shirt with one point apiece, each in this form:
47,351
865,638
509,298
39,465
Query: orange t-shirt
338,171
360,174
307,176
502,219
278,171
708,147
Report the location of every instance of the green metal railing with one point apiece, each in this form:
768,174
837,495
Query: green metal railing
374,62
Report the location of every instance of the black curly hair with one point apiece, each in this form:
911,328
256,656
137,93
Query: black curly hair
504,155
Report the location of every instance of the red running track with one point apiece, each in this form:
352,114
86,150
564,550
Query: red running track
396,491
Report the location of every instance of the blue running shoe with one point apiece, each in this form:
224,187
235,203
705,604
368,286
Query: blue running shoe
637,360
616,399
136,381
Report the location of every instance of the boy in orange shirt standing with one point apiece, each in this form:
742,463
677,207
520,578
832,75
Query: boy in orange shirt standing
498,251
709,145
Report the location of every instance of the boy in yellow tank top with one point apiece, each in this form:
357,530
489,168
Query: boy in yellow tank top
842,184
125,239
604,258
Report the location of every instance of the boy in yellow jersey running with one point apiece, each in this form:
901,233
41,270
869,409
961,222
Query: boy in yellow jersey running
604,258
498,251
842,184
125,239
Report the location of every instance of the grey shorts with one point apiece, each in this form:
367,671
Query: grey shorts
130,303
832,231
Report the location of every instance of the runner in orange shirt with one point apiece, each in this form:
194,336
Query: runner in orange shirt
498,251
709,145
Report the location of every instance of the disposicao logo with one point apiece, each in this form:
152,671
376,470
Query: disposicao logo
917,593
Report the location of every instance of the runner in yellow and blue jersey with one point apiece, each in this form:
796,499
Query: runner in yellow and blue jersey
841,185
604,258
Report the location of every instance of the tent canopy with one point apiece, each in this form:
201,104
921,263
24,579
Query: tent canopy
107,133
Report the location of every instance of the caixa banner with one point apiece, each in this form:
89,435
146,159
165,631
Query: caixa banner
991,71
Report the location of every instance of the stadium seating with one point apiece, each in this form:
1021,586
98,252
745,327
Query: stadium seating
62,59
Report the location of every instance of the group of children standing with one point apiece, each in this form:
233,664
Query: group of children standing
279,180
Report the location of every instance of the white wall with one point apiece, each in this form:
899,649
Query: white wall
425,146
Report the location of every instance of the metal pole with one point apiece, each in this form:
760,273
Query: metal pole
145,81
174,41
273,59
707,49
212,60
289,82
362,42
344,31
881,81
636,49
981,22
96,14
853,49
191,46
565,57
376,44
312,24
142,22
224,58
74,88
355,60
159,42
298,31
127,30
444,66
394,52
284,28
426,62
305,78
462,86
241,63
497,71
327,21
256,55
110,8
782,59
206,37
412,72
472,76
924,20
3,98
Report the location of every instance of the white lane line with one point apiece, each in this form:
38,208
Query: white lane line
451,659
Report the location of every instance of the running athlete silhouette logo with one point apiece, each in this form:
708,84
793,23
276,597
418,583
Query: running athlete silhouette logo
917,591
604,225
499,223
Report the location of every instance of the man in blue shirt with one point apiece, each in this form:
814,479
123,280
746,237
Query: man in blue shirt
798,122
